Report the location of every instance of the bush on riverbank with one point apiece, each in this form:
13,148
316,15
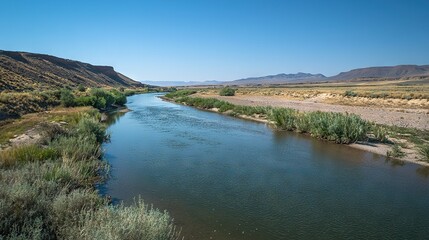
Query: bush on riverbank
47,191
227,91
424,151
120,222
101,98
16,104
337,127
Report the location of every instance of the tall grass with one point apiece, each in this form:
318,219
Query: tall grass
337,127
121,222
424,152
24,154
47,192
395,152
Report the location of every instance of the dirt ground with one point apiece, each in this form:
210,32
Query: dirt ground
410,118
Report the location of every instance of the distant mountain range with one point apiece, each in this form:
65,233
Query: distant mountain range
280,78
384,72
29,71
393,72
181,83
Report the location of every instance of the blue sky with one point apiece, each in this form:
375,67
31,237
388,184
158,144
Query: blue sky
221,39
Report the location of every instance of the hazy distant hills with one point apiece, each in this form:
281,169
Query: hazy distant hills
181,83
30,71
280,78
384,72
393,72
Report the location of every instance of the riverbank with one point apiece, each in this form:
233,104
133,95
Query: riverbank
47,188
391,150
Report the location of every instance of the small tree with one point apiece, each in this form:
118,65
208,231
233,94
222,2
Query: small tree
81,88
227,91
67,98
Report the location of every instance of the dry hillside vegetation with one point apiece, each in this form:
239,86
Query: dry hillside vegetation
21,71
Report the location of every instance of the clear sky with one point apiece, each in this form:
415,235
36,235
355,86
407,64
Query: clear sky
220,39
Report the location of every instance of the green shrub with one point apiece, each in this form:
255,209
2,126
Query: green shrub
284,118
396,152
227,91
252,110
91,127
338,127
120,222
303,123
225,106
26,153
424,152
120,98
77,148
81,88
350,93
22,211
341,128
100,103
103,98
86,101
380,134
67,210
67,98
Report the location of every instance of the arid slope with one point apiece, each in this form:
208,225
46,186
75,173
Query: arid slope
20,71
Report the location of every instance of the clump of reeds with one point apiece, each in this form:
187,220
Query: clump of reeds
424,152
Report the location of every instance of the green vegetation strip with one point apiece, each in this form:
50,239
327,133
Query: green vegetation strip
47,190
16,104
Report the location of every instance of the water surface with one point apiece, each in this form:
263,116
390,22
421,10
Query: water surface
226,178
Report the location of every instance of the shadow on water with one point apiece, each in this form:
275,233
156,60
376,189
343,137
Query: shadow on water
225,178
113,117
423,171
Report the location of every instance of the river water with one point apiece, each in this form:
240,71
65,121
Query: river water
224,178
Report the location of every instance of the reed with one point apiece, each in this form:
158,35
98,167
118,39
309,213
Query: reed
424,152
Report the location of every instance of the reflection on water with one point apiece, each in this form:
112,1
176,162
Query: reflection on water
423,171
224,178
112,117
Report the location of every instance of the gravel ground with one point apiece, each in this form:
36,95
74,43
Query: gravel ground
415,118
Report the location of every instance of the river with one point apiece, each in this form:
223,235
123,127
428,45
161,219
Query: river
221,177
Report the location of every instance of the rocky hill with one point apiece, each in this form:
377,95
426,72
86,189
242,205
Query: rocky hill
29,71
